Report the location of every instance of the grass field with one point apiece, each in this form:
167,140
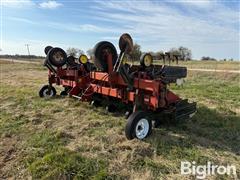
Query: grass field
214,65
64,138
221,65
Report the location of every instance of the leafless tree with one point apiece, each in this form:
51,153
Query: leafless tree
74,52
136,53
184,53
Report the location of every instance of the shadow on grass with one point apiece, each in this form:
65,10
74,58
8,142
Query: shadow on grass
209,128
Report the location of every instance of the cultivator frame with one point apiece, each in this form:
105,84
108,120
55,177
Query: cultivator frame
145,90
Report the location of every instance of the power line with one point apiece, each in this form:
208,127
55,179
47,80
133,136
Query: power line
27,45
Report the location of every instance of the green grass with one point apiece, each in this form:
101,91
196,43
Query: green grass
11,124
48,158
211,88
61,138
67,164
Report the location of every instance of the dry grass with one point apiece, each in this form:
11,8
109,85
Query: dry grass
221,65
215,65
62,137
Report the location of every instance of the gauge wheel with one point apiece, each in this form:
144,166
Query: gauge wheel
47,49
57,57
146,60
100,58
83,59
47,91
71,61
126,43
138,126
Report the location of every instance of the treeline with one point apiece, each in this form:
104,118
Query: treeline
182,53
207,58
17,56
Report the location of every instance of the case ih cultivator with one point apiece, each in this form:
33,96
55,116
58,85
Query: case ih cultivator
143,88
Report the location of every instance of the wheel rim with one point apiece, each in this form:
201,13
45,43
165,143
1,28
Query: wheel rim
58,56
47,93
147,60
142,128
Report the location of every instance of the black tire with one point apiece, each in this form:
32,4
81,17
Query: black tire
57,57
142,59
89,67
100,60
63,93
47,91
71,61
47,49
132,123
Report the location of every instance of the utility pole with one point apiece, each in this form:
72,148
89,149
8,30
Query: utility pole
27,45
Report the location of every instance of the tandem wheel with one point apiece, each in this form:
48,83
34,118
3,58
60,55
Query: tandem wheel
138,125
47,91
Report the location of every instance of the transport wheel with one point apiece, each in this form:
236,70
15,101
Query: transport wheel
47,49
100,50
57,57
47,91
138,126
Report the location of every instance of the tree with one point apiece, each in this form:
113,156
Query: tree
207,58
90,52
159,55
175,51
74,52
184,53
136,53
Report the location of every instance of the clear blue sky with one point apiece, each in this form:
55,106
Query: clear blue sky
208,28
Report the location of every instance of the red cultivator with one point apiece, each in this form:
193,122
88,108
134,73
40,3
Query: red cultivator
143,88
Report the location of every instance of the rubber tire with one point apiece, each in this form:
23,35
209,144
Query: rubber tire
71,61
142,59
41,94
132,122
99,60
47,49
89,67
52,61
